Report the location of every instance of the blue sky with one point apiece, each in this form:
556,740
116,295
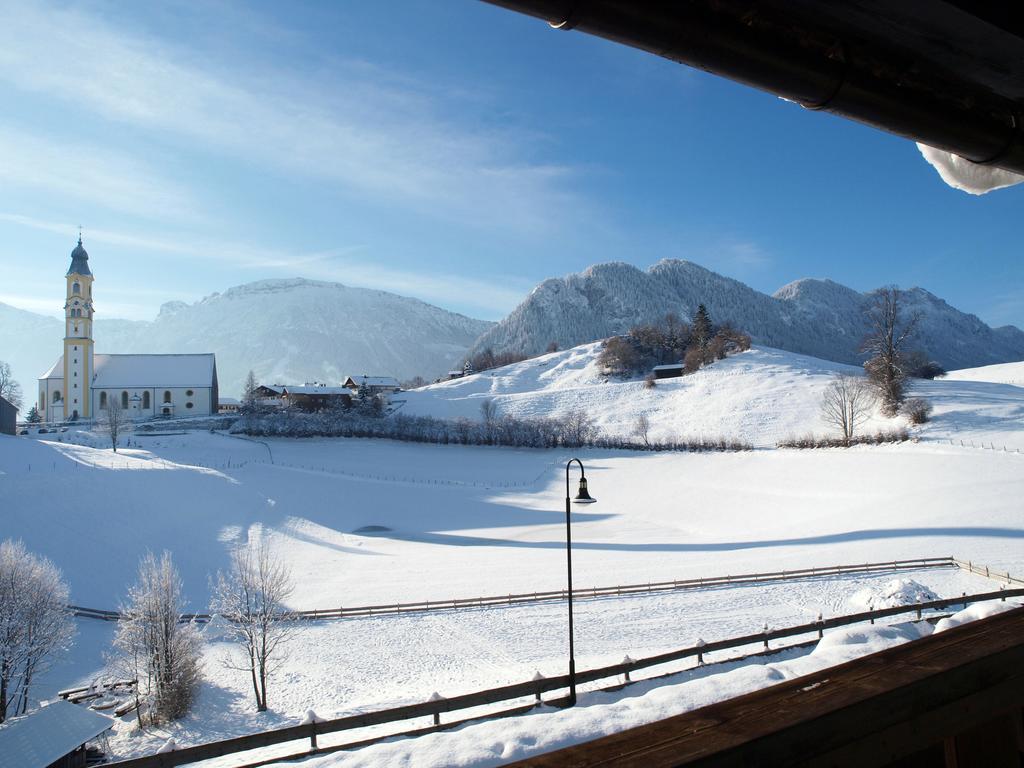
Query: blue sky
449,150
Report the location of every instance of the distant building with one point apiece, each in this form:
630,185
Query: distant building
269,396
228,405
317,397
374,385
81,383
53,736
670,371
8,418
455,375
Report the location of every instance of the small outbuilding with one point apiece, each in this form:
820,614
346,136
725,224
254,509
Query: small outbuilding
669,371
8,418
53,736
228,405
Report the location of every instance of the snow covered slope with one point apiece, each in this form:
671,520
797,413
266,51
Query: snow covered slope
1003,373
285,330
760,396
814,317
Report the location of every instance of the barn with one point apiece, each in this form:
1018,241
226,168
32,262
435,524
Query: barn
53,736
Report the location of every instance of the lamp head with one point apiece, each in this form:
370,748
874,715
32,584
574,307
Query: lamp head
582,497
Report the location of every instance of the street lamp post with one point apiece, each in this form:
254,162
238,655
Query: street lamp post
582,497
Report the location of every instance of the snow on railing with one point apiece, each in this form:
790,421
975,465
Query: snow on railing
530,690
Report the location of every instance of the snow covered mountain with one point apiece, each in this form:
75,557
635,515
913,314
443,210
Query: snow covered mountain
814,317
285,330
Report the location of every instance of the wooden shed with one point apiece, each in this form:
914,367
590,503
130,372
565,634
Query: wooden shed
53,736
669,371
8,418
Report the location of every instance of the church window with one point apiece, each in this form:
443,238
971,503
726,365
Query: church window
103,400
75,374
124,400
145,399
188,405
76,289
189,393
167,395
56,395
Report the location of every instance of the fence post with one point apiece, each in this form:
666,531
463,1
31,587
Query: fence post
700,653
766,635
627,660
435,696
821,631
919,611
537,677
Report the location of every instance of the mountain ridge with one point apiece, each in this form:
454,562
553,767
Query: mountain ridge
290,330
812,316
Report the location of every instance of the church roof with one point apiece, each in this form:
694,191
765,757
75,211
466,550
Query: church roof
79,260
138,371
153,371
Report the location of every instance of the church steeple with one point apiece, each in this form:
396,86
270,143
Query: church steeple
78,342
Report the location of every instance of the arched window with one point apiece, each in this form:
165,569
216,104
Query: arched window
167,395
56,395
103,401
76,289
124,401
145,399
42,398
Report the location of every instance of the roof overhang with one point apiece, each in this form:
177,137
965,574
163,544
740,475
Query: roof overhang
947,73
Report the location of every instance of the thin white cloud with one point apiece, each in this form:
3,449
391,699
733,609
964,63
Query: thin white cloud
370,135
489,298
88,173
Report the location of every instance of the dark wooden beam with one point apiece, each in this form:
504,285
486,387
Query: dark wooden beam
872,711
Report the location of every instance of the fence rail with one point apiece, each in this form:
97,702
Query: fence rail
383,609
532,688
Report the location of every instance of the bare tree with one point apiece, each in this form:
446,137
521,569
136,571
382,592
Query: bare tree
10,389
35,624
113,421
251,597
888,334
642,428
847,403
154,646
249,392
578,429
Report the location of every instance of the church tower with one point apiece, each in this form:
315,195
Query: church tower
78,343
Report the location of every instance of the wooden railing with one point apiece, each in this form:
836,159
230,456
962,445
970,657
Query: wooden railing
532,688
382,609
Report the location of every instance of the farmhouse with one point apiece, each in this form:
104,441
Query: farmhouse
316,397
82,384
373,385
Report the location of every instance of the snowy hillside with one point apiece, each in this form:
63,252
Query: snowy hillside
814,317
760,397
285,330
1003,373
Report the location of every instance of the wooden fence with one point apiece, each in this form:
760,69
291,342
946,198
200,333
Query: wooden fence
382,609
436,707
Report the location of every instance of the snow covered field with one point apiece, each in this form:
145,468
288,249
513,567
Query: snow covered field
366,521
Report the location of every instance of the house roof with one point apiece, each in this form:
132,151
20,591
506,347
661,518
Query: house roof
667,367
373,381
46,735
228,401
309,389
111,371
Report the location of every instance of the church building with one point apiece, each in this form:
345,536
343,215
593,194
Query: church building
82,384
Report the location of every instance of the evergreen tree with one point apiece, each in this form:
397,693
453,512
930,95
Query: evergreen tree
33,416
702,331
